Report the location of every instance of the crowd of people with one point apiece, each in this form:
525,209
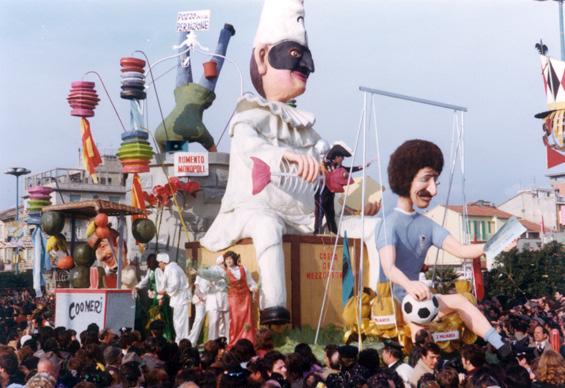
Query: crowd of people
35,353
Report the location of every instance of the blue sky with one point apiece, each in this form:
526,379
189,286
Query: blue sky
475,53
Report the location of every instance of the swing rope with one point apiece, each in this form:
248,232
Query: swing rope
324,305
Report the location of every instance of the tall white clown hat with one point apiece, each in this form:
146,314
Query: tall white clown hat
281,20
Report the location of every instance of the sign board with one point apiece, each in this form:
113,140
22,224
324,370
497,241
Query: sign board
381,320
77,308
446,336
193,20
191,164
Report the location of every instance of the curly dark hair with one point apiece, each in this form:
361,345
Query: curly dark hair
408,159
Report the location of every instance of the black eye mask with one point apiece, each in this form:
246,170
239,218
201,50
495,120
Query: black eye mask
291,56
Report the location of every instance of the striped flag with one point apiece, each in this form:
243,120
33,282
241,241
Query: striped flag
137,195
90,155
347,272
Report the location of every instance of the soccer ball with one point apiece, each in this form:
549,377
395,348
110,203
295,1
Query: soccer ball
420,311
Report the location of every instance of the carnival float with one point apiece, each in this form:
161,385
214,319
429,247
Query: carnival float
258,200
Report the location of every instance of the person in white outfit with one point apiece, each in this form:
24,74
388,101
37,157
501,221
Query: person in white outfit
175,284
201,286
217,306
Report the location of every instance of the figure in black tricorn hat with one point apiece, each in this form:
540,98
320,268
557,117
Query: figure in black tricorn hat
324,198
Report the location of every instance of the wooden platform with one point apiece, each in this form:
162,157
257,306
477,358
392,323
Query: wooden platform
89,208
307,262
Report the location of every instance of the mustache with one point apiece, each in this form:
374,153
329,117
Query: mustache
424,194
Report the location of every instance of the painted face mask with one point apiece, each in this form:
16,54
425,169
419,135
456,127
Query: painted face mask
291,56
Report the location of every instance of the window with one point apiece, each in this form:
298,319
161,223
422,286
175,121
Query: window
115,198
74,197
490,229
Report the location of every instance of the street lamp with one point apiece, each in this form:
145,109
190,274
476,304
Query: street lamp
17,172
562,38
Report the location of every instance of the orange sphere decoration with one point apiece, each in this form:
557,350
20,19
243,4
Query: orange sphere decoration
65,262
102,232
101,220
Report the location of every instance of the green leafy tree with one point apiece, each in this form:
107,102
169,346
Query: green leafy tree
445,279
21,280
530,274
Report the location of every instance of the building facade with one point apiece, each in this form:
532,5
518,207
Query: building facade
534,205
558,183
16,249
69,185
74,185
475,223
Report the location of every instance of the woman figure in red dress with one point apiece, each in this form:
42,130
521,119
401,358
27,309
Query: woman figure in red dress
241,288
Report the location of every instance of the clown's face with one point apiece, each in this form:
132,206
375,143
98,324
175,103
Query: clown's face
424,187
285,68
105,255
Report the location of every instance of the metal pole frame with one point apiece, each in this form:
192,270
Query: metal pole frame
561,37
454,108
413,99
17,221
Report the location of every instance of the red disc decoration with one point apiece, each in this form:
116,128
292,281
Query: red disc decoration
82,98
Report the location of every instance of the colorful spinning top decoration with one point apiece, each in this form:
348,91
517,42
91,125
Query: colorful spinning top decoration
553,72
39,197
135,151
133,78
83,99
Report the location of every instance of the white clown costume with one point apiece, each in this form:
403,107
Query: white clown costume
265,130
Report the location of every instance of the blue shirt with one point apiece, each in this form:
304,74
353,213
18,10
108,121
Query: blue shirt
411,234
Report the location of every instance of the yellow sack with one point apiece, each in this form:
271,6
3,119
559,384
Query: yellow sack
384,314
349,313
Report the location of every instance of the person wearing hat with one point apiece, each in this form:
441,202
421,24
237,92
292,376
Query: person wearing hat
324,198
392,357
175,285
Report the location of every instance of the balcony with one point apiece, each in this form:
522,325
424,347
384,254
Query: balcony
77,180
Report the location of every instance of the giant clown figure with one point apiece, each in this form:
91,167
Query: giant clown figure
267,128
